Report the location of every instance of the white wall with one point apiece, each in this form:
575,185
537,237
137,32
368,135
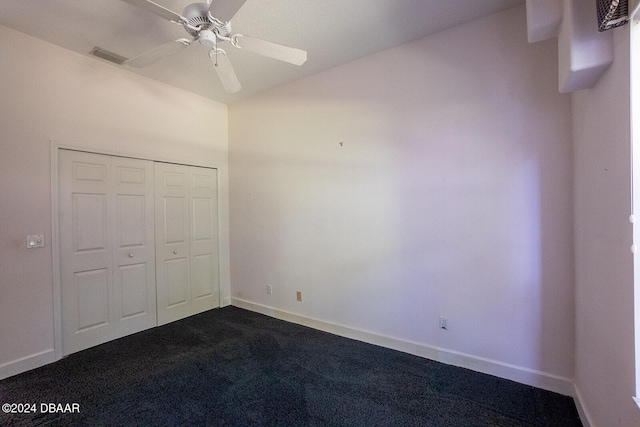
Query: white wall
451,195
52,94
605,372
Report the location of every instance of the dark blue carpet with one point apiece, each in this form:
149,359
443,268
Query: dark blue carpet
232,367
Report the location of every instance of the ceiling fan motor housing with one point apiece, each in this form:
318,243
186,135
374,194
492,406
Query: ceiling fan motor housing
197,15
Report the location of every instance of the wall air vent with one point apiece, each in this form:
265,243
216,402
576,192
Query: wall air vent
612,14
109,56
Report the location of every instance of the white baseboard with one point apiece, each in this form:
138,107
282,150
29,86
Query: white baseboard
519,374
225,302
582,410
496,368
27,363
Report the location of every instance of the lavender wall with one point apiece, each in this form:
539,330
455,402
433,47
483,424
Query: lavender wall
430,179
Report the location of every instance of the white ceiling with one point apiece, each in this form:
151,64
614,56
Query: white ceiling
332,31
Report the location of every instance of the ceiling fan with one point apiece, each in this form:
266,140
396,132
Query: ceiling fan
209,25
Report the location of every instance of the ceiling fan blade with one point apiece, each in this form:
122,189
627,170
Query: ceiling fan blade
225,70
272,50
159,10
224,10
157,53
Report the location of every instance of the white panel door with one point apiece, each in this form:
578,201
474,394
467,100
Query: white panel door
107,262
172,242
186,241
134,245
204,238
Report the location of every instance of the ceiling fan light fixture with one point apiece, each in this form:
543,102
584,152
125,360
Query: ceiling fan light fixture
208,38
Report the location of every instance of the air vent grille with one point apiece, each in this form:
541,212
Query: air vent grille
109,56
612,14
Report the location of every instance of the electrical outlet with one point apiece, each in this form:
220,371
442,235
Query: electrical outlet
443,322
298,296
269,289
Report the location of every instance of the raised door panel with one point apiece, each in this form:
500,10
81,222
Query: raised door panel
202,213
204,276
89,222
133,295
92,290
131,218
175,215
176,271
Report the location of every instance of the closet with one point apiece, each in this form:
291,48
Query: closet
138,245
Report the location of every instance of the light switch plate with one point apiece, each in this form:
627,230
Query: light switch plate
35,241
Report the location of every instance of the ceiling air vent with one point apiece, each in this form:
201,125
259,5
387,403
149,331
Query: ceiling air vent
612,13
109,56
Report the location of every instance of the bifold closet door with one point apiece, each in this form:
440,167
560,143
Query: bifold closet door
107,248
186,241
